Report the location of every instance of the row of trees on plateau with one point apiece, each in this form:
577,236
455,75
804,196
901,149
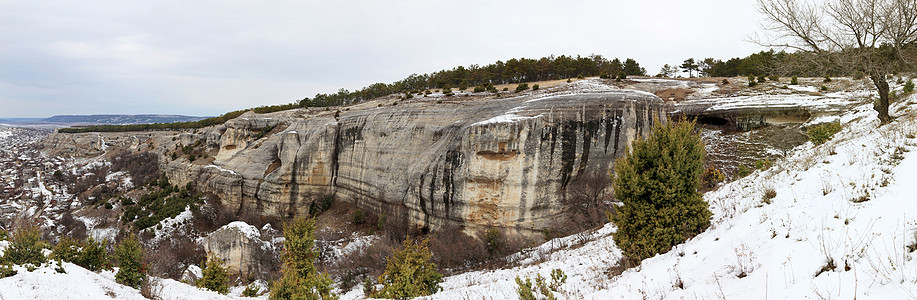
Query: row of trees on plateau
516,70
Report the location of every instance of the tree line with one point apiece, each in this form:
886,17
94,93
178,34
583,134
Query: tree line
516,70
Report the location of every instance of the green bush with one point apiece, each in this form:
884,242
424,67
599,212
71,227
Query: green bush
479,89
827,79
251,290
409,273
300,279
527,290
763,164
761,78
657,181
492,240
774,78
522,86
25,247
908,87
131,270
622,76
821,133
535,87
743,171
751,81
3,235
794,80
824,88
214,276
358,217
725,81
6,270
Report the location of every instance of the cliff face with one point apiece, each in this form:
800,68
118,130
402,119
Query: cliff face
499,162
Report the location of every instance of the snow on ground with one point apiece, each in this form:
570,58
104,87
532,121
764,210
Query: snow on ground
849,201
803,88
79,283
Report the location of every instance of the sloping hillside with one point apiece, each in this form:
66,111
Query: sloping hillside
850,202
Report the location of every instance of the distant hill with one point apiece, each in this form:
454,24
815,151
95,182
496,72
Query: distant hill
68,120
120,119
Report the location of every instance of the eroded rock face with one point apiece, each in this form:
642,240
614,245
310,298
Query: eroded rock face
499,162
240,247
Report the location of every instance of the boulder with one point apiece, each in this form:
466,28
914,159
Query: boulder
240,247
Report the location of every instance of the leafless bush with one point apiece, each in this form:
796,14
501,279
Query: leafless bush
142,167
454,250
365,262
72,228
586,201
744,261
175,254
151,288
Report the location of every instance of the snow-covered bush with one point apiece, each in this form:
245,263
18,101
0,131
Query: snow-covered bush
657,182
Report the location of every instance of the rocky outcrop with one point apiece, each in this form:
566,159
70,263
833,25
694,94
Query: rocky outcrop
240,247
474,163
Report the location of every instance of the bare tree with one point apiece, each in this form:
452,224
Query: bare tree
871,37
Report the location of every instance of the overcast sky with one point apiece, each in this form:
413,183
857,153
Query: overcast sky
209,57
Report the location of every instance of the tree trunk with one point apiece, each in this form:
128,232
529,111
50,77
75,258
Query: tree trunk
882,106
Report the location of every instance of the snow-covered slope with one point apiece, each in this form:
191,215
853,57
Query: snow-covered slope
851,201
79,283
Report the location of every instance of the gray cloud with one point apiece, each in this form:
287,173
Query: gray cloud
209,57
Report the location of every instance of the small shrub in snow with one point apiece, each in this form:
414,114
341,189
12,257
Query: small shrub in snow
774,78
823,132
89,254
657,182
535,87
521,87
300,279
6,270
827,79
751,81
761,78
725,81
214,276
3,235
409,273
908,87
711,178
479,89
769,194
763,164
130,254
527,290
794,80
251,290
25,247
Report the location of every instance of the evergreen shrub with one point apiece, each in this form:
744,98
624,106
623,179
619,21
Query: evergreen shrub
657,181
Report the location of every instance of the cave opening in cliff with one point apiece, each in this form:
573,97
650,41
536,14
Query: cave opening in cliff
714,122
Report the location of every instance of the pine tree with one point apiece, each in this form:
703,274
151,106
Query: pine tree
131,270
214,276
300,280
657,182
409,273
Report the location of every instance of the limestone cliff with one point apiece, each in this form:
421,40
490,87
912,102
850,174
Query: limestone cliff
499,162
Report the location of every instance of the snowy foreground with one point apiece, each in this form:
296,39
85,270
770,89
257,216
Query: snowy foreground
851,201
